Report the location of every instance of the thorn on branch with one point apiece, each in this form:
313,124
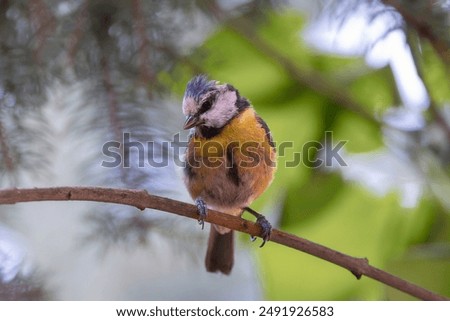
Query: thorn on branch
361,264
358,275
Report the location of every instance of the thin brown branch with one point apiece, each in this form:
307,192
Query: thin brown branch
78,32
139,31
310,79
5,150
112,105
44,23
424,29
143,200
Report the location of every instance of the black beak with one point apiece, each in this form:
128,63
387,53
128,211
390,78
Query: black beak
191,121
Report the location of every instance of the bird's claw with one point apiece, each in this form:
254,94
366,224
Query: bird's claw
202,211
266,228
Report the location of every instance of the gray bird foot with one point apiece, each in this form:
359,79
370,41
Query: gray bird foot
266,227
202,211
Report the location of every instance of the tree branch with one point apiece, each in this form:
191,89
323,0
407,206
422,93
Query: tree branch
310,79
143,44
423,27
142,200
5,150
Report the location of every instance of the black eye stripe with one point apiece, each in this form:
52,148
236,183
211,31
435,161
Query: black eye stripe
205,106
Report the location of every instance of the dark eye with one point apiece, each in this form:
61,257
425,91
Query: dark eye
205,106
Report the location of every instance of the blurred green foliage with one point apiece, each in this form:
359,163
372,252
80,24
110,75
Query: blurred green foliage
316,204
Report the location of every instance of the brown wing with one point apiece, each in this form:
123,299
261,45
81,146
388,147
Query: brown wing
267,130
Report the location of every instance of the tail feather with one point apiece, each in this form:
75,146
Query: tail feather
219,255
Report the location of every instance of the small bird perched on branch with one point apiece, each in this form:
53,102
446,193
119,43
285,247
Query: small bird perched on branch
230,161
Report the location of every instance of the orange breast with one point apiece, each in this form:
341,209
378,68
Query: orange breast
234,167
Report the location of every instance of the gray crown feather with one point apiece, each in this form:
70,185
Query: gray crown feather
198,86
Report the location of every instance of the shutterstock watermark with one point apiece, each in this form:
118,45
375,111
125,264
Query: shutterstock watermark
131,153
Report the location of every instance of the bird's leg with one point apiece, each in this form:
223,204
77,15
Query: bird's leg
266,227
202,211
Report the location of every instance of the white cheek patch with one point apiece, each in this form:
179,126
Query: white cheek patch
189,106
222,111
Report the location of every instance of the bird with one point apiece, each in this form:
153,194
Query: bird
230,160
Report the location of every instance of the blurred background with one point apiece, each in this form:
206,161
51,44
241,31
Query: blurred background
77,74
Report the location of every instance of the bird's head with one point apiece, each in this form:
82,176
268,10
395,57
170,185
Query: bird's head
207,103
